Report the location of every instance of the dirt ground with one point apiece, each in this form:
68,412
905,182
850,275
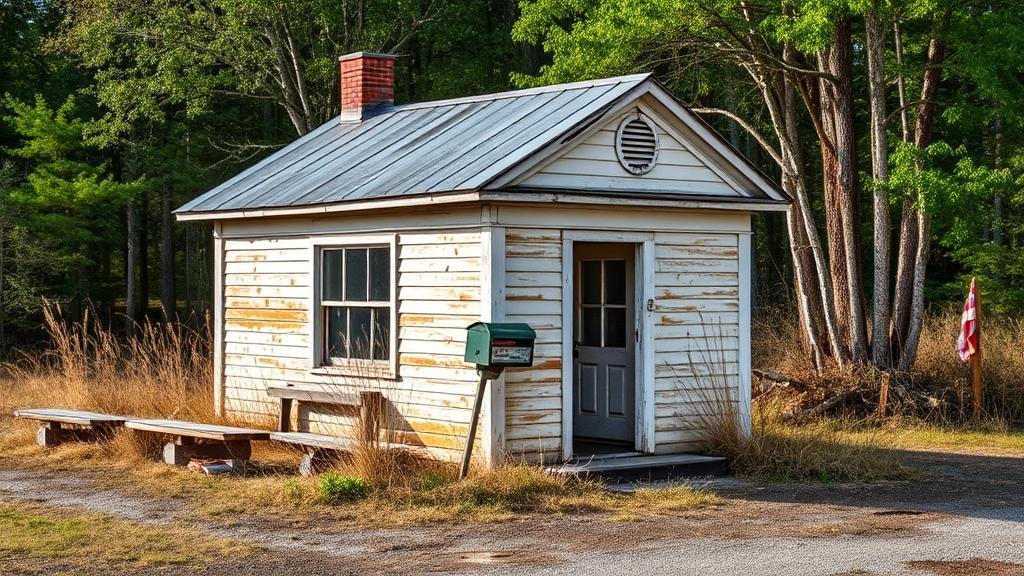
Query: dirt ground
964,517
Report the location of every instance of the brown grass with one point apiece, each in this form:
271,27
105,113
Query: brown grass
165,372
938,371
770,449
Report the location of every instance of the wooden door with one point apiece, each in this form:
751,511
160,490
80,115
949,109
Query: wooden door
604,384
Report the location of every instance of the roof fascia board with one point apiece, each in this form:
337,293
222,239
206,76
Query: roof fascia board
512,197
339,207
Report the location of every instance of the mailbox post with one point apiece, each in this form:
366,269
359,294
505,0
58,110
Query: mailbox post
494,347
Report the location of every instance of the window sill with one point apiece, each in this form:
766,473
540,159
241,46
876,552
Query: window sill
380,371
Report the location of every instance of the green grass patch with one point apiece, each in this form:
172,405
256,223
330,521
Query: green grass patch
33,532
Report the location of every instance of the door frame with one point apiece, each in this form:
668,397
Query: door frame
643,294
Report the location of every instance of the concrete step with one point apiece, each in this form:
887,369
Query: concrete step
641,468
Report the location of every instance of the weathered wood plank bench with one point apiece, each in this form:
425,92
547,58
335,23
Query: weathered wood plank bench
201,441
368,407
86,426
320,451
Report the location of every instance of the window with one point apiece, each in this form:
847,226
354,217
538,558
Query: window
356,304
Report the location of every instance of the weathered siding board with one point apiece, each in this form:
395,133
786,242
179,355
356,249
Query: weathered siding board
697,334
268,334
533,294
593,165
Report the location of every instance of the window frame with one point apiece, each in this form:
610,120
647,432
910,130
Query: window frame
356,367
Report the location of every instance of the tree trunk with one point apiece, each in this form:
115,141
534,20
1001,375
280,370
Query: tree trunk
131,257
880,310
923,127
167,295
143,235
838,150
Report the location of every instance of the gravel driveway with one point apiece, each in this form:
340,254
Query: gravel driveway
964,518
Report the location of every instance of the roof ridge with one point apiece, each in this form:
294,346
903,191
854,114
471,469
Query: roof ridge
522,92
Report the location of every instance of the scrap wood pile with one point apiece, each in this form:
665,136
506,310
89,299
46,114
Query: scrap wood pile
808,397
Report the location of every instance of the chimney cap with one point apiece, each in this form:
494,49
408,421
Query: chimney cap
355,55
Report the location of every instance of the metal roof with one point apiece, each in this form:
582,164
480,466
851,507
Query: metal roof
417,149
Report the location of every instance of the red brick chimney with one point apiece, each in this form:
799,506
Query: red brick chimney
367,84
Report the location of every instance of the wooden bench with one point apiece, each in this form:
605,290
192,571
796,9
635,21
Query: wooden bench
87,426
368,406
201,441
320,451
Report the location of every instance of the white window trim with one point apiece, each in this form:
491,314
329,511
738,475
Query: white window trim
354,367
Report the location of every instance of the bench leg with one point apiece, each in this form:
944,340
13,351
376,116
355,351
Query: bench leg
284,420
315,461
181,452
53,434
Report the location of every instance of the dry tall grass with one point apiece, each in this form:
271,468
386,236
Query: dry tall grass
938,371
163,372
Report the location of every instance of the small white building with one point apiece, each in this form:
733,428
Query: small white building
604,214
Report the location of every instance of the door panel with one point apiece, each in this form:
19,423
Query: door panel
604,340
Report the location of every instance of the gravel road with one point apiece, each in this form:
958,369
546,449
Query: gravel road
964,518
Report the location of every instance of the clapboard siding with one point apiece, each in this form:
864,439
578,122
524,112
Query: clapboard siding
267,336
594,165
696,335
696,343
533,294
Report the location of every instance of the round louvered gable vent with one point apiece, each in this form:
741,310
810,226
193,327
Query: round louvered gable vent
636,144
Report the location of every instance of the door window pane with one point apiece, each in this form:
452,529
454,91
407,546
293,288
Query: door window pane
355,274
380,274
336,332
332,277
614,281
591,282
591,327
615,327
359,332
381,333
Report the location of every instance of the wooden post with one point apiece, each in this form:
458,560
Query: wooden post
467,453
976,360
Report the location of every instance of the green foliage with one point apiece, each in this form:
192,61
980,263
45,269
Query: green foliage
336,488
57,223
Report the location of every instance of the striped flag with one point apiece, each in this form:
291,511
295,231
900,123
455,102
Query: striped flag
967,342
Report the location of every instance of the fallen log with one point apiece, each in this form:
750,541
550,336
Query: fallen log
797,414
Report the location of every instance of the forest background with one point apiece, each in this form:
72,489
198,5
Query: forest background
897,126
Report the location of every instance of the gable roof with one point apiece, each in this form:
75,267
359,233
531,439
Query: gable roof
433,149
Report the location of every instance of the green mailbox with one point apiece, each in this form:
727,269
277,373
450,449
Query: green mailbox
493,347
500,345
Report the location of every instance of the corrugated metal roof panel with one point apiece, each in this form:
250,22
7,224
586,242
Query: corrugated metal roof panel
434,147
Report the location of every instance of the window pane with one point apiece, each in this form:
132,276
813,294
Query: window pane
591,326
591,281
355,275
332,274
614,281
336,332
359,332
615,327
380,274
381,333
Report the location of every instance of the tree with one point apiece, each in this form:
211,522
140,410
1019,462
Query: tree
65,201
797,52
